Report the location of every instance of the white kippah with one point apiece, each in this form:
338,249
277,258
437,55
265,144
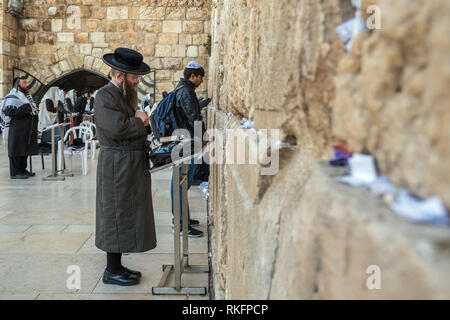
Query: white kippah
193,65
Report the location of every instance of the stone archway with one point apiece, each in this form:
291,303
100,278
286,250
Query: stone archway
79,79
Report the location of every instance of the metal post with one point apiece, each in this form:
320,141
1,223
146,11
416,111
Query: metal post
176,231
53,176
177,268
184,187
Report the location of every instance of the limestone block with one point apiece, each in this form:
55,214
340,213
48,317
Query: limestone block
81,37
97,64
105,69
91,25
100,45
54,58
177,75
146,50
164,75
65,37
38,12
109,26
171,63
47,25
29,24
133,13
58,11
99,13
175,13
198,13
171,26
199,39
192,51
56,25
148,26
202,51
192,26
64,66
164,86
155,63
168,38
156,13
125,26
185,38
133,37
117,13
86,49
90,2
163,50
97,37
178,50
150,38
22,53
47,38
88,61
55,69
96,52
63,52
113,37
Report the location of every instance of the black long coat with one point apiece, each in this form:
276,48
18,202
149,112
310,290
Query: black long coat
124,215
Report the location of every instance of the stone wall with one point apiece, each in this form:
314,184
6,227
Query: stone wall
52,42
299,234
9,40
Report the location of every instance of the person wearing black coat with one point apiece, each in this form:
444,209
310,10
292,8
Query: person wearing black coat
22,111
80,105
187,112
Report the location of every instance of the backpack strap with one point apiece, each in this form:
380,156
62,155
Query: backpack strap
174,102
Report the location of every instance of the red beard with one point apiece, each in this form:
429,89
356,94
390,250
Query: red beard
130,94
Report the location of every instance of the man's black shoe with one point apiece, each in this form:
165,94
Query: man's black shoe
30,174
192,223
124,279
133,272
20,176
192,233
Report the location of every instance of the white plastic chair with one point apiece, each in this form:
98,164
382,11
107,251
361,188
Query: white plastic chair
93,143
85,134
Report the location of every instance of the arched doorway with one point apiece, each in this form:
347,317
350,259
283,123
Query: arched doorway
79,80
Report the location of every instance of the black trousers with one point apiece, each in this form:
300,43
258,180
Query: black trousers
17,165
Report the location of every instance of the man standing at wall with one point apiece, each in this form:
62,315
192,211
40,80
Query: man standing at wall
187,113
80,105
22,113
124,215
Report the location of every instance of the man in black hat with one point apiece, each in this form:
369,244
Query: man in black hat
124,214
80,105
21,113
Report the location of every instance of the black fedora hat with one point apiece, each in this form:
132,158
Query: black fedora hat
126,60
88,90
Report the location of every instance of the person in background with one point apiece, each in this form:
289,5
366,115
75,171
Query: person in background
22,112
70,99
188,111
80,105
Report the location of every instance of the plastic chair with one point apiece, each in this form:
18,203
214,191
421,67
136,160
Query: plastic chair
85,134
93,143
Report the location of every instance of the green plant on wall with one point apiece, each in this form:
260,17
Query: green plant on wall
208,45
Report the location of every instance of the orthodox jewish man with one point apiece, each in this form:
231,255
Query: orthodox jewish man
124,214
22,114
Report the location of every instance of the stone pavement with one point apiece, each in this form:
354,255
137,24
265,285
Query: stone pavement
47,226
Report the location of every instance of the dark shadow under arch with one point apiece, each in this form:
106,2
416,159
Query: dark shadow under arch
79,80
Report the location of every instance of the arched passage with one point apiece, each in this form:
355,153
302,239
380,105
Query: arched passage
79,80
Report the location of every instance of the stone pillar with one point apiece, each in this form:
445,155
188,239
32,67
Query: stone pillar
8,48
